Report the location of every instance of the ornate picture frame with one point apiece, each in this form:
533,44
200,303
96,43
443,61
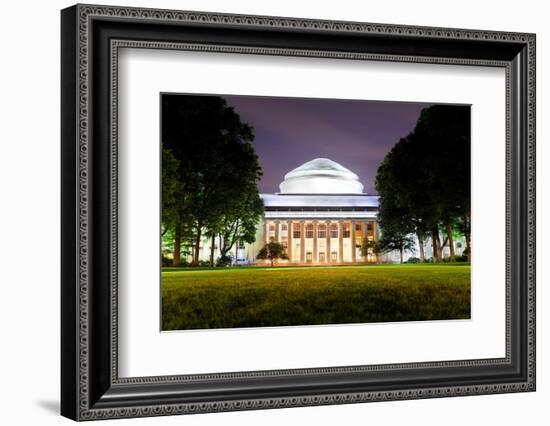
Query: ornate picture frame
91,38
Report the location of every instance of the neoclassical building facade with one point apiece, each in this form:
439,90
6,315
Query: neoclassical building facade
321,215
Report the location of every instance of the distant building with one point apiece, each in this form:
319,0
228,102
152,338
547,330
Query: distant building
321,216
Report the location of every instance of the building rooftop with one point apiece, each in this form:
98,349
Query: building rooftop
321,176
320,200
320,185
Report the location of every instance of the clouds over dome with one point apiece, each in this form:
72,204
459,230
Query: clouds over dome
321,176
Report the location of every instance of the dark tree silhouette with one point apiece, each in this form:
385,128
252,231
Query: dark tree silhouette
424,181
217,168
396,226
445,131
272,251
394,239
239,223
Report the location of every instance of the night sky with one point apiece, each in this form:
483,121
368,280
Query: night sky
291,131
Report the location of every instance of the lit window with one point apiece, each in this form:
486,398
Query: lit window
284,227
270,232
358,227
296,230
309,256
321,231
334,230
334,256
309,230
347,231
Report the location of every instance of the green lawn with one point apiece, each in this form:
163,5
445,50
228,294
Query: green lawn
257,297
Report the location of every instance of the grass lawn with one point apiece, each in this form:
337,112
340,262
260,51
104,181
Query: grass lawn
258,297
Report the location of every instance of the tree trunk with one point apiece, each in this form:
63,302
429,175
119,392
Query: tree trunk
451,241
225,248
401,255
421,246
212,244
436,245
177,246
221,245
467,237
197,245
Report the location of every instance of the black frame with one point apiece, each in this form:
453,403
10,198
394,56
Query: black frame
90,387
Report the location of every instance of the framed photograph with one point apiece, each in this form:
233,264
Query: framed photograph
263,212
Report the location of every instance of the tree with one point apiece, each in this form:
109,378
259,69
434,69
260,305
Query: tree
369,247
394,239
216,161
424,182
404,203
240,223
171,187
272,251
394,213
444,131
397,228
240,208
173,214
463,225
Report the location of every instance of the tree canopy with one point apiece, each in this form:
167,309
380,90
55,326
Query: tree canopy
272,251
211,173
424,181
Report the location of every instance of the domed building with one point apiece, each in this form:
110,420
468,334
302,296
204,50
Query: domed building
321,176
321,215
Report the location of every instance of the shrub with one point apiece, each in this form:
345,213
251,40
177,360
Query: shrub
223,261
413,260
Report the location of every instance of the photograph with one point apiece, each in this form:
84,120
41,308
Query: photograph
264,209
280,211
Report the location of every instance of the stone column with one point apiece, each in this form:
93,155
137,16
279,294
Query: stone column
327,249
315,248
302,242
277,231
352,234
340,241
266,230
366,237
289,240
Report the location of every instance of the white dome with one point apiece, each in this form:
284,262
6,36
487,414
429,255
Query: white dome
321,176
